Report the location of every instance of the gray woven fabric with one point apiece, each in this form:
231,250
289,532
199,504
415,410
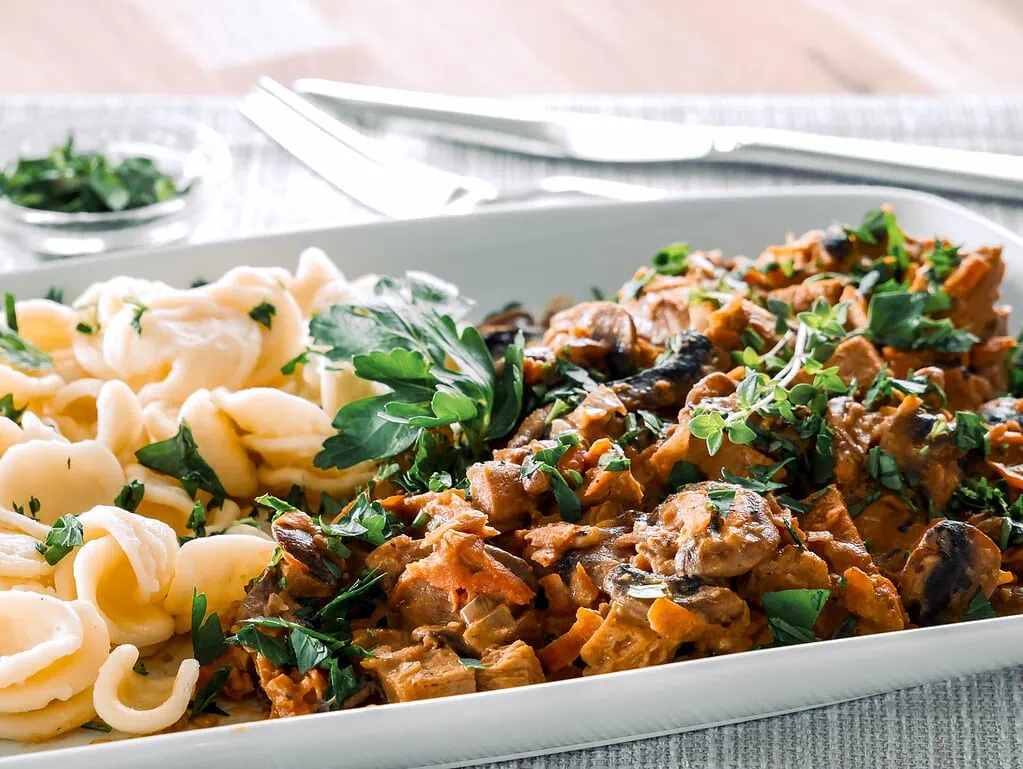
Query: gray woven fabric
971,722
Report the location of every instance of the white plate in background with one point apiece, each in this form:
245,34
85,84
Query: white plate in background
531,255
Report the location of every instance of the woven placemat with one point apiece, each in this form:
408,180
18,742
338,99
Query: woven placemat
970,722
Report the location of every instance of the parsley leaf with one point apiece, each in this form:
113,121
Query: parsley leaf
140,310
10,313
197,519
208,641
64,536
205,698
682,474
17,351
366,520
979,608
263,313
970,432
179,458
883,468
438,377
900,319
470,663
97,726
309,651
131,496
274,649
8,410
791,614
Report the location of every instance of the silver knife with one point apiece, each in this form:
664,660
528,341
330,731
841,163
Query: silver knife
605,139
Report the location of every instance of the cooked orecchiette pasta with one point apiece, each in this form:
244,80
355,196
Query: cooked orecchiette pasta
286,432
50,654
74,409
32,428
124,570
133,363
61,477
137,704
220,567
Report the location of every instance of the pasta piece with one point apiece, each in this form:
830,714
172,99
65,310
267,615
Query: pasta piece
318,282
63,477
220,567
32,428
119,424
161,702
28,390
55,719
16,523
50,651
22,565
287,432
244,289
124,570
50,326
186,342
74,409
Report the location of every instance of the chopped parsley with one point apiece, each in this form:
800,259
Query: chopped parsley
131,496
882,467
979,608
9,411
901,319
179,458
64,536
791,614
17,351
546,461
207,637
136,316
263,313
72,181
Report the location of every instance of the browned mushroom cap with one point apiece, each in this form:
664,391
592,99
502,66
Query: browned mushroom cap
603,322
722,530
944,571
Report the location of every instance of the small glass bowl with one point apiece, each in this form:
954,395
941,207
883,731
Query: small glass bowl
192,152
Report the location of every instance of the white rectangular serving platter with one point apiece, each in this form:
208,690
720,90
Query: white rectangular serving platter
532,255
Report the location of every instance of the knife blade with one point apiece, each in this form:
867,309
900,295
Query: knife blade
605,139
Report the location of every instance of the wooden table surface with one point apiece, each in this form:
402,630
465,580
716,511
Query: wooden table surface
515,46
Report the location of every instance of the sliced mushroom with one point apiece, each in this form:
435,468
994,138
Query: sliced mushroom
297,535
667,383
604,322
1001,410
943,573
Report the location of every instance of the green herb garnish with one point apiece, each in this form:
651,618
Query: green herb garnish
131,496
208,641
64,536
86,182
179,458
791,614
8,409
263,313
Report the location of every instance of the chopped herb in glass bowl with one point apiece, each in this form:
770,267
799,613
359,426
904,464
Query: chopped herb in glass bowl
86,182
98,181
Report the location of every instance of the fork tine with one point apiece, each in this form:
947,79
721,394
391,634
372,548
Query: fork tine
351,162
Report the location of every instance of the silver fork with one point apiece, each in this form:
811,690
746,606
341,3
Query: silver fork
368,170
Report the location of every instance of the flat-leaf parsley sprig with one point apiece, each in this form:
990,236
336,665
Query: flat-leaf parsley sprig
438,377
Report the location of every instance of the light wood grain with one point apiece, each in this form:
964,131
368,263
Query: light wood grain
515,46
